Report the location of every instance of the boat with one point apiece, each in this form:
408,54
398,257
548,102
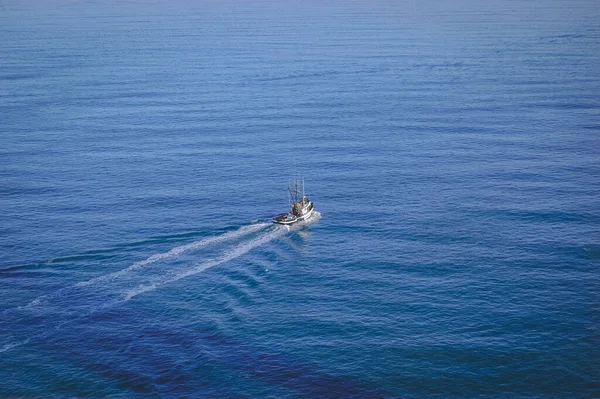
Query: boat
301,207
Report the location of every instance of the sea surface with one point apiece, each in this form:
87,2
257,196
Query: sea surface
451,148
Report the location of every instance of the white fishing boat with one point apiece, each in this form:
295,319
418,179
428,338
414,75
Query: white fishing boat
301,207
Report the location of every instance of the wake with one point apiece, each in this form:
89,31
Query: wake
242,231
277,231
233,253
137,266
78,301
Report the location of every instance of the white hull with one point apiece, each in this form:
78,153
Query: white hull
296,219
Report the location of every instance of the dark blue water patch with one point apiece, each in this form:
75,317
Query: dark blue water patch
10,271
19,76
566,36
209,351
550,217
502,371
433,66
296,77
590,251
591,127
576,105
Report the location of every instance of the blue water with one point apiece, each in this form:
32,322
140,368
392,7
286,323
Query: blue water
452,150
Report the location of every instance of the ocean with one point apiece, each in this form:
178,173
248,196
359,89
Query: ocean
452,151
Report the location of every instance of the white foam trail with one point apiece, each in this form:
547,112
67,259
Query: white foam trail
242,231
235,252
140,289
12,345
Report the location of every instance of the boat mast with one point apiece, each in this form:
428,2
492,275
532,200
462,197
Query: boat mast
296,184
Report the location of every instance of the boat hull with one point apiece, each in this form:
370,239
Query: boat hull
287,219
